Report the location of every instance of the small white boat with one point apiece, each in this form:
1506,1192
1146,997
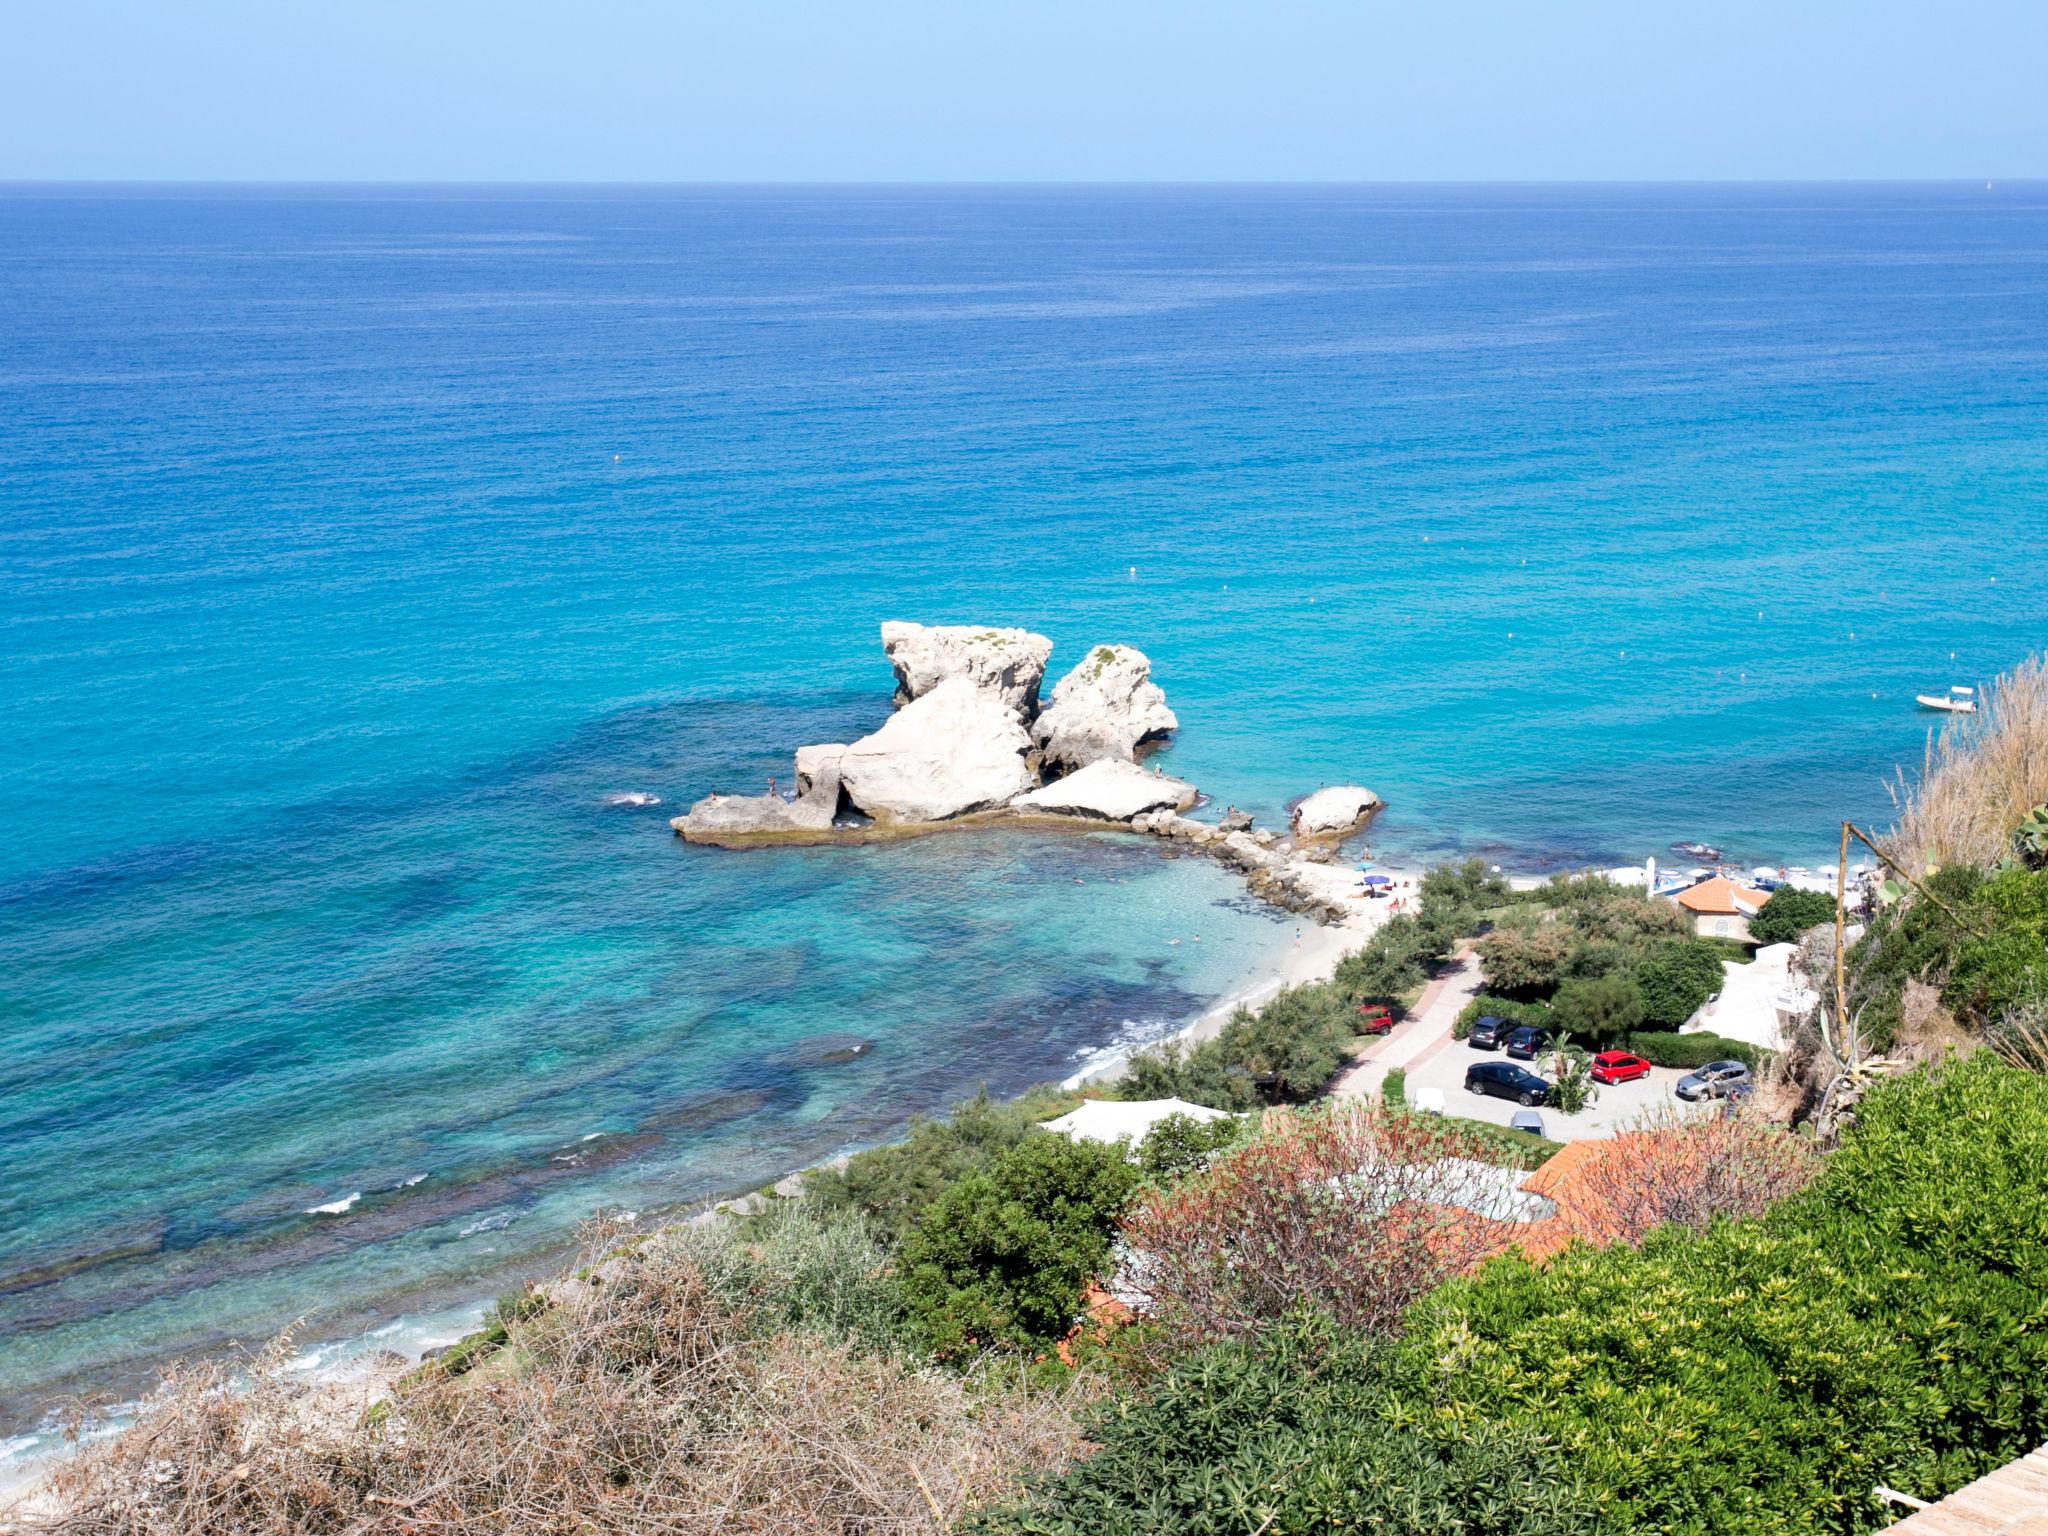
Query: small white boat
1957,701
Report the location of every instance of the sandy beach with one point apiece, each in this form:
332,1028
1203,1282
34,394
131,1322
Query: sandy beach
1312,956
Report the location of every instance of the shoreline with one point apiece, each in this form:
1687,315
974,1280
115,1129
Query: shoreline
1312,956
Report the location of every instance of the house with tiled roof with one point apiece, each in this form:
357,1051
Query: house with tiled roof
1721,909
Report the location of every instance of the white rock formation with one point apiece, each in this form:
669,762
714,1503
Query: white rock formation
813,761
952,750
740,819
1008,662
1103,709
1334,811
1108,791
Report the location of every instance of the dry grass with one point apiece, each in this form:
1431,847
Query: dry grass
636,1404
1981,776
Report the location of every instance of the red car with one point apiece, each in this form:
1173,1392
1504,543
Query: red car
1374,1019
1618,1067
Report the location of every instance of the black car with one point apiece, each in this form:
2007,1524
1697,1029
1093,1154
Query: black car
1501,1080
1524,1043
1486,1033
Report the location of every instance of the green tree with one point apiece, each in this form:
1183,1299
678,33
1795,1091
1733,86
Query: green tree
1601,1009
1789,913
1526,961
1675,978
1180,1145
1001,1257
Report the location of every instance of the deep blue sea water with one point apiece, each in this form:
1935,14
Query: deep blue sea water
356,545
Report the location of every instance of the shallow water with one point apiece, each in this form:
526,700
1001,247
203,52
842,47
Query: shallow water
359,549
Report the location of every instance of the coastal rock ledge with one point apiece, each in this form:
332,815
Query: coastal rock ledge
969,744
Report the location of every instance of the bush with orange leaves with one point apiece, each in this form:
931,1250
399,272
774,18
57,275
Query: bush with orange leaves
1349,1208
1668,1169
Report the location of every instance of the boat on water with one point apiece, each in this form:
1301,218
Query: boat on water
1957,701
1698,851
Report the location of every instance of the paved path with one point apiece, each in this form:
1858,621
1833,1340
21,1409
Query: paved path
1422,1034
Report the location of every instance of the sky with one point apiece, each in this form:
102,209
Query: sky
986,90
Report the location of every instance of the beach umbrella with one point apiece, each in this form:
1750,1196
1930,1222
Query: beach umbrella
1378,880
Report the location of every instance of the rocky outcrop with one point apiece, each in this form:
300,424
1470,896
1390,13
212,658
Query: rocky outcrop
1103,710
736,820
813,761
954,750
1006,662
1107,791
1334,811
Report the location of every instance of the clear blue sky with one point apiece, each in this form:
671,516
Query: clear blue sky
988,90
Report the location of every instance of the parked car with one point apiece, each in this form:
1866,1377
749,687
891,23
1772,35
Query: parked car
1486,1033
1713,1081
1375,1019
1525,1043
1618,1067
1504,1080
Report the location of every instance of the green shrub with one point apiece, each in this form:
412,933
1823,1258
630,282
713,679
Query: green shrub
1180,1145
1886,1326
1394,1090
1392,964
1000,1259
1789,913
798,1267
1690,1051
1285,1053
890,1186
1292,1433
1601,1010
1996,968
1911,941
1675,978
1469,884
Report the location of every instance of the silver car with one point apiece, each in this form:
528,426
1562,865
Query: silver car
1713,1081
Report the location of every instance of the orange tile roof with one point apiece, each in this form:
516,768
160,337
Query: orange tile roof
1721,897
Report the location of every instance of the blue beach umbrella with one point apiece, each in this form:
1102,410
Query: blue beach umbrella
1378,880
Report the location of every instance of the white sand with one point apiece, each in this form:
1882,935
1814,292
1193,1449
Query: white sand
1313,956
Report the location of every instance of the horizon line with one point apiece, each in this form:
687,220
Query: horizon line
31,182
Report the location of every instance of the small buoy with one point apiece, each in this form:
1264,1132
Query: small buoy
1852,634
1742,677
615,458
1759,613
1873,695
1624,655
1511,634
1134,570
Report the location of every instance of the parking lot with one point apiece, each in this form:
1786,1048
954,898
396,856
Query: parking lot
1617,1106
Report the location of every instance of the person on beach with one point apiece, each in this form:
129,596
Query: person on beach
771,785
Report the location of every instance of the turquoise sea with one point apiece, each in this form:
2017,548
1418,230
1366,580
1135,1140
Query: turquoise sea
358,546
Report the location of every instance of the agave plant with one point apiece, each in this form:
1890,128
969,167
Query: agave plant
2030,838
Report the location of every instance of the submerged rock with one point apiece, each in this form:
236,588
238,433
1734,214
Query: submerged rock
1108,791
1104,709
954,750
1334,811
1007,662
